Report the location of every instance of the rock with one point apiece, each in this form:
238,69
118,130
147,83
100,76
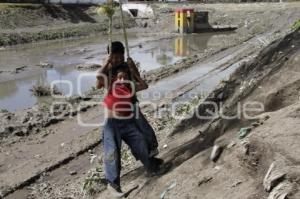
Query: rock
273,177
73,173
204,180
93,157
236,184
88,67
19,69
145,25
8,117
256,124
216,152
231,144
19,133
281,191
45,65
245,147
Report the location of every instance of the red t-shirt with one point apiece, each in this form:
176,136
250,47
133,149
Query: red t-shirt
119,99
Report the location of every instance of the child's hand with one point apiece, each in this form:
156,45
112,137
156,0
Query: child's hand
107,62
130,62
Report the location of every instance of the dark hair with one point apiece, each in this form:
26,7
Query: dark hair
116,47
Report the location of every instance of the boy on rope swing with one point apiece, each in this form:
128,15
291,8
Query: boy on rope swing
124,121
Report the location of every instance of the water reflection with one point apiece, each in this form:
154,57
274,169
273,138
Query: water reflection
151,54
16,95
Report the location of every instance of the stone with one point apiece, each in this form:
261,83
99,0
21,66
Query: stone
256,124
245,147
73,173
19,133
204,180
45,65
88,67
231,144
273,177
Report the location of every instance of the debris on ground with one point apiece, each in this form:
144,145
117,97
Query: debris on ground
45,65
169,188
204,180
88,67
215,153
273,177
244,132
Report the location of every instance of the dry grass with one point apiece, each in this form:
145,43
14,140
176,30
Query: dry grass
19,5
41,90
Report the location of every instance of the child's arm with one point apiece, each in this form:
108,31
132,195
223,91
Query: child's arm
140,84
131,63
102,75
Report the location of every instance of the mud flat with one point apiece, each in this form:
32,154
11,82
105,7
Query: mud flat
54,161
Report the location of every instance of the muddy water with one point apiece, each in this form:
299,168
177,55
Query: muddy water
151,53
200,79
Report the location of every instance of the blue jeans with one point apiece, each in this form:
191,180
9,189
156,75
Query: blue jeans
114,131
145,128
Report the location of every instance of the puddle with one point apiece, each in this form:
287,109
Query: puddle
15,95
204,76
65,55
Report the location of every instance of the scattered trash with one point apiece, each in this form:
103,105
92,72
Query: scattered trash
244,132
173,184
93,157
231,144
246,147
204,180
281,191
62,144
236,184
165,146
273,177
216,152
37,156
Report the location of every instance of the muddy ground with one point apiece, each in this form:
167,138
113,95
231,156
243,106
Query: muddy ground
54,158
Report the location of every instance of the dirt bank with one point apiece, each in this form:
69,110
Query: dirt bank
26,23
272,78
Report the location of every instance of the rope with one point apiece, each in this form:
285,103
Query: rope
124,30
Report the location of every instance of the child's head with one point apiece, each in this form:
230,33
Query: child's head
117,53
122,75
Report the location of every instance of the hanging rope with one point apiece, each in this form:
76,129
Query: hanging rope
124,29
108,10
